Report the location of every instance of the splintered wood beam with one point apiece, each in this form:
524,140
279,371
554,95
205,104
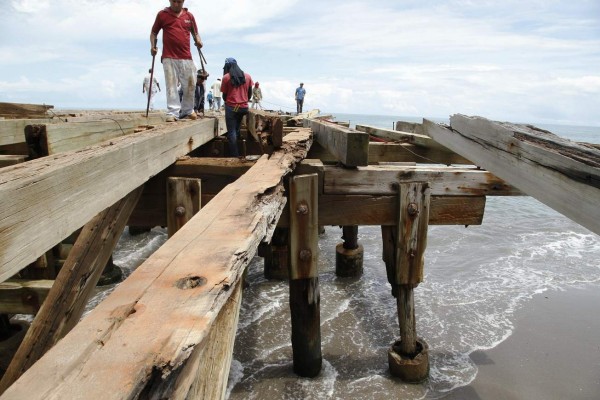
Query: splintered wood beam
73,286
12,131
444,181
146,339
19,110
348,146
45,200
344,210
196,167
562,174
6,160
403,137
404,152
59,137
22,296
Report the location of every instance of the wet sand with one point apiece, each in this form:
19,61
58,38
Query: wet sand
554,352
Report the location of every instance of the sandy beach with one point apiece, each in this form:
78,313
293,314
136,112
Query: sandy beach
554,352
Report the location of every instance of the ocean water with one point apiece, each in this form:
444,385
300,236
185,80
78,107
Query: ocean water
476,278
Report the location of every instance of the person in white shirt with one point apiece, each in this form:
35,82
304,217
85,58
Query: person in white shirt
146,88
216,89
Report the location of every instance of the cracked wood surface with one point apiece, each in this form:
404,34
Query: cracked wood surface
560,173
143,335
45,200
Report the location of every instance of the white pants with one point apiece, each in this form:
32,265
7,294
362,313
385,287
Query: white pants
151,104
183,71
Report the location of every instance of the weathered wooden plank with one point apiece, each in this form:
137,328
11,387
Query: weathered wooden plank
76,186
6,160
304,275
412,127
68,136
343,210
73,286
20,110
177,294
12,131
22,296
403,137
404,152
183,202
561,174
449,181
349,146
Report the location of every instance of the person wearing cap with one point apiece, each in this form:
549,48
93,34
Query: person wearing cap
177,23
300,93
236,87
256,96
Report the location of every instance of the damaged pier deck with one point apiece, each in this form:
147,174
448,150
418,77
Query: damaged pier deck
167,331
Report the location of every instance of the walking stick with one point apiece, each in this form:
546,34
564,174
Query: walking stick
203,61
151,81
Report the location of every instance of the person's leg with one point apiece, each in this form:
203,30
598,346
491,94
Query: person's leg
230,122
187,77
173,103
301,103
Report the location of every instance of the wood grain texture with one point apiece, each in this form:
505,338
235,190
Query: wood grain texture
177,295
75,186
559,173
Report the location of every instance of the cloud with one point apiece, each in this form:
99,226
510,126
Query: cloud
511,60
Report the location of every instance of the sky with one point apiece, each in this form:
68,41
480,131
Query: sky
511,60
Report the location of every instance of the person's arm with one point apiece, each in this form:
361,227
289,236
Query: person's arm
153,40
157,84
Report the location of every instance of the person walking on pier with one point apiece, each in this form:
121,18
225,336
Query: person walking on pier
216,89
146,88
177,23
256,96
210,99
300,93
199,94
237,89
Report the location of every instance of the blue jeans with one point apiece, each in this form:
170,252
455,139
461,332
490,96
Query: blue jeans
233,120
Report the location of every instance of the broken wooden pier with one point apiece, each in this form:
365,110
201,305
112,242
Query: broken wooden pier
167,331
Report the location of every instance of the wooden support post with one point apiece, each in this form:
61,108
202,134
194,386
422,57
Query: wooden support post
349,253
408,357
73,286
277,255
183,201
304,278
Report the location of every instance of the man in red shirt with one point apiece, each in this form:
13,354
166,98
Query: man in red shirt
177,23
237,89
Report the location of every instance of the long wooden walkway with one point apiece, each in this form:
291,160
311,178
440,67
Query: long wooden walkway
167,331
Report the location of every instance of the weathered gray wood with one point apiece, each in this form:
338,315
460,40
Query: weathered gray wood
68,136
405,303
349,146
412,127
304,279
12,131
177,294
448,181
339,210
73,286
403,137
304,223
413,220
21,296
6,160
20,110
559,173
405,152
75,186
183,202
